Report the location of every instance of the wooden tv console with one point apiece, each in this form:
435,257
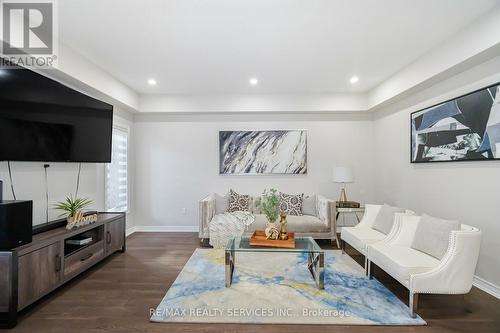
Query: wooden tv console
31,271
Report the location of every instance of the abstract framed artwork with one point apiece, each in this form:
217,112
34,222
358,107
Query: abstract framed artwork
263,152
466,128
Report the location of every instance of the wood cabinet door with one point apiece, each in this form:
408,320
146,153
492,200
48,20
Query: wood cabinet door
6,262
39,273
115,236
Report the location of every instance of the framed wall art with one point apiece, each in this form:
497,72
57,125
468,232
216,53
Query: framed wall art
263,152
466,128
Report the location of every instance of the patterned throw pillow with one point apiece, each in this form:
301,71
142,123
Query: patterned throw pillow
291,204
238,202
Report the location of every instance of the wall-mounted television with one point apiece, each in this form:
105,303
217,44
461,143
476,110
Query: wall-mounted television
44,120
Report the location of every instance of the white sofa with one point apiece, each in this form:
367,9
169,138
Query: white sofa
362,235
318,226
420,272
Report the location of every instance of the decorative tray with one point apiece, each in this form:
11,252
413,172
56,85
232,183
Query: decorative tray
259,239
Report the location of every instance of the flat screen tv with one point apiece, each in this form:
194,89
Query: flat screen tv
44,120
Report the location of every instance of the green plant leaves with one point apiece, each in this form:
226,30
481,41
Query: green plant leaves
270,205
72,205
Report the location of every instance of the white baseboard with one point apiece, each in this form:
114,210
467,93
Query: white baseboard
163,228
130,231
486,286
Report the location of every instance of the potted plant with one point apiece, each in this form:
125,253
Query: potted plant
71,207
270,205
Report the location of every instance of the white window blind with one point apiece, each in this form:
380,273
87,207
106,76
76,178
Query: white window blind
116,173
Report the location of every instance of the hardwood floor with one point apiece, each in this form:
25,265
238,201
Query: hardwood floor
116,295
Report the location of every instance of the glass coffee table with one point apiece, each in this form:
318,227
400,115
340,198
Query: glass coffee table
315,262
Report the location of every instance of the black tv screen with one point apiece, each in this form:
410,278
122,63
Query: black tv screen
44,120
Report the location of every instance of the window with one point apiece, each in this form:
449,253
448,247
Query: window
116,173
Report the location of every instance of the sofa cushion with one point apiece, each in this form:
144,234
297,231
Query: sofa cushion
400,261
309,205
360,237
385,218
304,223
238,202
433,234
291,204
221,203
256,204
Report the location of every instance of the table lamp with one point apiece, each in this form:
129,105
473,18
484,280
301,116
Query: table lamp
343,175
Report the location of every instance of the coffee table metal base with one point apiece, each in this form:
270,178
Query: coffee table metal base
229,270
315,264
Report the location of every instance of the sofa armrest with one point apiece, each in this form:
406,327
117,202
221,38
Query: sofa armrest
207,212
455,272
324,209
390,237
407,227
397,227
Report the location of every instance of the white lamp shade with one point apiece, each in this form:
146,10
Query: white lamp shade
343,175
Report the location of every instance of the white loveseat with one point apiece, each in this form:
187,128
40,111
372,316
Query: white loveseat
362,235
420,272
318,226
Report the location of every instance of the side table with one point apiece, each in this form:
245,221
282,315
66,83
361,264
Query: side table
358,212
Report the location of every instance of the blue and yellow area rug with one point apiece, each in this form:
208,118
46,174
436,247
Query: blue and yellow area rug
277,288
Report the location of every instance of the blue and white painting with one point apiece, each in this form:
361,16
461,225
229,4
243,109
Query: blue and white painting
277,288
466,128
263,152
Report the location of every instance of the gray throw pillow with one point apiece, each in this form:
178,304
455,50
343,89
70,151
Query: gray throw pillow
221,203
385,218
309,205
433,234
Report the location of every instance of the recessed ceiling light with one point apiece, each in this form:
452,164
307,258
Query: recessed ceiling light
152,82
253,81
354,79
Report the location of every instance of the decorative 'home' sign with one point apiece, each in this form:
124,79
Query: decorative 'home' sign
263,152
466,128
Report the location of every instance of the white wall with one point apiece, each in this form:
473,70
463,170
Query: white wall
29,184
480,40
466,191
177,165
76,71
240,103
